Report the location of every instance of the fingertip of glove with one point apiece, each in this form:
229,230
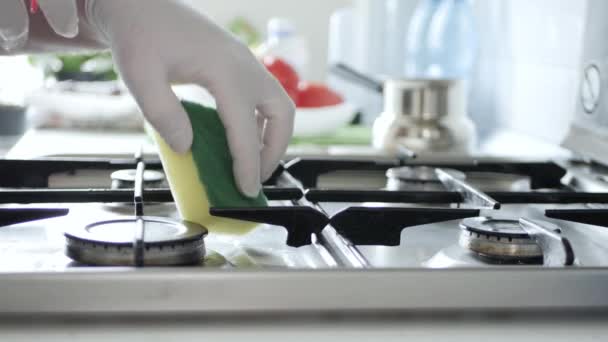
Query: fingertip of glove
267,172
180,144
70,31
249,189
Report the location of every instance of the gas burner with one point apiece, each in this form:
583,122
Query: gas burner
125,179
110,243
421,178
500,240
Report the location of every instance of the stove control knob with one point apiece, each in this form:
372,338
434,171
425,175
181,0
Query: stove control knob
591,88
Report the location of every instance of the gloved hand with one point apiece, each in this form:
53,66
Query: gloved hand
62,16
158,42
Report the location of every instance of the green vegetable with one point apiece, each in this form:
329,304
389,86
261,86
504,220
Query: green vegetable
93,66
244,31
355,135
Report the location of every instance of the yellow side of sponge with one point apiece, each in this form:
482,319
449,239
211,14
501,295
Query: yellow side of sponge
190,194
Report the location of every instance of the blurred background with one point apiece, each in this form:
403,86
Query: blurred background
515,64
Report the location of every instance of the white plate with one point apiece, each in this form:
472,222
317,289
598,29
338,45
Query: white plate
310,122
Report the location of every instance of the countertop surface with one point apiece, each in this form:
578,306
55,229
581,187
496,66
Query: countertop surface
79,143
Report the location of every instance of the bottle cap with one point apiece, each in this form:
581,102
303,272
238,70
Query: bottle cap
280,28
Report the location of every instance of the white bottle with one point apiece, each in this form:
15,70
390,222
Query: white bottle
398,15
284,42
341,37
370,31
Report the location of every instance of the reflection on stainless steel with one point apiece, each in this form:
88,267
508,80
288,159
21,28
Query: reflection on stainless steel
405,153
346,253
470,194
360,180
140,224
501,240
456,256
496,181
586,177
557,250
343,252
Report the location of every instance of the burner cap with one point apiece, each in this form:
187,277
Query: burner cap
110,243
498,239
420,174
417,178
125,179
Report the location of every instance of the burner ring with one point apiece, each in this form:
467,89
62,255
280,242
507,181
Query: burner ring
495,227
110,243
498,239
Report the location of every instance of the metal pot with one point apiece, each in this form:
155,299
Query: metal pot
414,111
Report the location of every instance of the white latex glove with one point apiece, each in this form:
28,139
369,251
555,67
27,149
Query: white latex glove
159,42
62,16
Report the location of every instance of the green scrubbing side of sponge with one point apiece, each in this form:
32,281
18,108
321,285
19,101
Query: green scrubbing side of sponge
213,160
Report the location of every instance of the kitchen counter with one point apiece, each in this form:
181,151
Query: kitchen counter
72,143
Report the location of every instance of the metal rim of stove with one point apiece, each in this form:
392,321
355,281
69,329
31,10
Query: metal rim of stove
182,245
498,239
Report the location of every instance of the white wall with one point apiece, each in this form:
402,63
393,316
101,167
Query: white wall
528,72
311,18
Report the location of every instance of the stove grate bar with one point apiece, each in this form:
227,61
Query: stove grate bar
299,221
383,226
449,197
33,196
594,217
469,193
35,173
544,175
10,216
382,196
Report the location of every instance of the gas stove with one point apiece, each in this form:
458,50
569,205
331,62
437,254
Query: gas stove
340,234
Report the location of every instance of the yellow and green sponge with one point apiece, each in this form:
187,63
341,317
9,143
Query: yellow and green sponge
203,177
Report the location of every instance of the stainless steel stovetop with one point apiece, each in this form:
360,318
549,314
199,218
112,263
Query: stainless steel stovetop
343,238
